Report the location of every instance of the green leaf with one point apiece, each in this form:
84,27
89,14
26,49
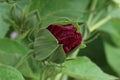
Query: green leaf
97,54
16,14
116,1
10,53
113,29
32,20
115,35
25,69
3,28
113,56
82,68
53,10
114,11
4,10
9,73
23,3
11,49
36,70
45,44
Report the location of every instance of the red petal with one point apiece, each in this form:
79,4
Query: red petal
66,35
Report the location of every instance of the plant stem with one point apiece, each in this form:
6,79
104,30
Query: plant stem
58,77
43,75
97,17
76,53
100,23
22,60
92,11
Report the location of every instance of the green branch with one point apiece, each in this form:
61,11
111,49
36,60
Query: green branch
22,60
92,11
100,23
59,76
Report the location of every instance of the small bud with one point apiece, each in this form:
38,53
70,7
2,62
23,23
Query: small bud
66,35
14,34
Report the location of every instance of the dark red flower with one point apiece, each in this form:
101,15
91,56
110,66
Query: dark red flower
66,35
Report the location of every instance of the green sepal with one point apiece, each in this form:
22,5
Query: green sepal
45,44
58,56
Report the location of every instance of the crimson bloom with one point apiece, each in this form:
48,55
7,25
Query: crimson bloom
66,35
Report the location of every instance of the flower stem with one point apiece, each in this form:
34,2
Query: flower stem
58,77
97,17
100,23
43,75
21,61
92,13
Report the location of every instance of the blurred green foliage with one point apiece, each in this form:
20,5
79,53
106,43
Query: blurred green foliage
26,17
